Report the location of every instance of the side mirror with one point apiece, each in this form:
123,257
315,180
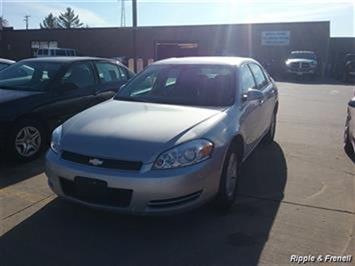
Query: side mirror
68,86
352,104
253,95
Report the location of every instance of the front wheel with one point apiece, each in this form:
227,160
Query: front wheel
229,181
348,147
270,135
27,140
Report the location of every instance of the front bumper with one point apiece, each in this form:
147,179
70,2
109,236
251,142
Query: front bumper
301,72
4,135
153,191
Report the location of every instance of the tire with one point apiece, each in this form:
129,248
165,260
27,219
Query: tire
348,147
27,140
270,135
229,181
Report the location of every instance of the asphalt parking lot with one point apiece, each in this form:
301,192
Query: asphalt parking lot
296,196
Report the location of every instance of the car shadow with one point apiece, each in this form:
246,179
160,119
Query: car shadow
13,172
62,233
310,81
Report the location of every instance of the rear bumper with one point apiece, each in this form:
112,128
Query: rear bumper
153,191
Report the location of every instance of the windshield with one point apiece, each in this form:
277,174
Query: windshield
197,85
31,76
310,56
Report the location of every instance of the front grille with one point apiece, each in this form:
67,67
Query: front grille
306,65
96,192
106,163
172,202
295,65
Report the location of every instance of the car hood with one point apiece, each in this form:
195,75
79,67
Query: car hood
133,131
300,60
11,95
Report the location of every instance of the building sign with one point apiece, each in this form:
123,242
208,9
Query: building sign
275,38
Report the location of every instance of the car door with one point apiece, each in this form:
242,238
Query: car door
250,109
74,91
267,105
111,77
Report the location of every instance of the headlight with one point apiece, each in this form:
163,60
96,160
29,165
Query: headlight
56,138
189,153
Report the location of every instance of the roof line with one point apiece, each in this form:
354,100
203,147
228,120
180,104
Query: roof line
177,26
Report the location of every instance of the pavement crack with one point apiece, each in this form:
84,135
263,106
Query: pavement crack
25,208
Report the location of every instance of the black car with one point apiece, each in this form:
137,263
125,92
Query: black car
4,63
38,94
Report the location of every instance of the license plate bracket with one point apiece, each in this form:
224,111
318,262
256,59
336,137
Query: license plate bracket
90,187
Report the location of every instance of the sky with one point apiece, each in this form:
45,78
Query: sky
107,13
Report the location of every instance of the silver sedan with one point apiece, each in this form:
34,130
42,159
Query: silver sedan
172,139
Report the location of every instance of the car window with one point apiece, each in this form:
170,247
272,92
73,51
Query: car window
260,78
80,74
246,79
60,52
146,83
109,72
124,75
33,76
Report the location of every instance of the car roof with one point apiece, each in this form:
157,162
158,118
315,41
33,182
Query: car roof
56,48
65,59
205,60
302,52
6,61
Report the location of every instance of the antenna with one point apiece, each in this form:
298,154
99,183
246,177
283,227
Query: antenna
26,19
123,13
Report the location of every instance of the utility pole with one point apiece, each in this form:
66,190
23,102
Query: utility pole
26,19
134,24
134,10
123,13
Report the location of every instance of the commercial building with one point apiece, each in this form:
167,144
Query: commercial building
265,42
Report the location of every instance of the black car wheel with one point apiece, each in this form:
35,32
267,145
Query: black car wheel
27,140
229,181
348,147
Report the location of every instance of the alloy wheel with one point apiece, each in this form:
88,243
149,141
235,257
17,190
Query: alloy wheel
28,141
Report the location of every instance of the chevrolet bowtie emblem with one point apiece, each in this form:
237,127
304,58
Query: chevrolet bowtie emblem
96,162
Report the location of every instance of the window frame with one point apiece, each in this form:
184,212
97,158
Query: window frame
241,93
119,68
91,67
263,73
